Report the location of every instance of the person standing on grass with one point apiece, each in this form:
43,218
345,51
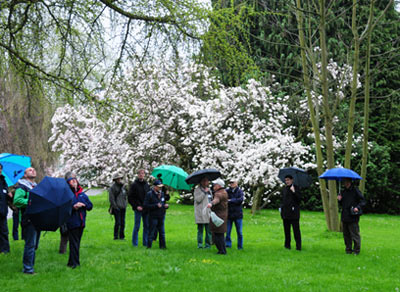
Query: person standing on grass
290,211
202,196
118,203
4,197
219,205
30,234
235,213
63,228
351,201
76,223
137,192
155,203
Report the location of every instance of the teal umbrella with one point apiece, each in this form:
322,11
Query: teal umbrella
172,176
14,166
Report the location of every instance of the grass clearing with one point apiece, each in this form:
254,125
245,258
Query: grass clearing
263,265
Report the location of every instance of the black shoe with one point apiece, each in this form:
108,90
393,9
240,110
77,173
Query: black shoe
287,247
30,273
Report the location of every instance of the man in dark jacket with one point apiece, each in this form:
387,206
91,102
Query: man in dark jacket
235,213
137,192
4,197
352,201
290,211
154,202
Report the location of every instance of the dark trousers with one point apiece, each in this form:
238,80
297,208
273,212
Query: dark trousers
63,242
219,240
15,216
4,243
295,223
74,236
119,225
156,225
351,234
207,235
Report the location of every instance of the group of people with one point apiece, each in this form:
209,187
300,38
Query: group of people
216,210
20,199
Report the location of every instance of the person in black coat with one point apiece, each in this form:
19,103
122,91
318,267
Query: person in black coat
4,197
136,194
351,201
155,203
290,211
235,213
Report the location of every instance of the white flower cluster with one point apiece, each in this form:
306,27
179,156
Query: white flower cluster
188,119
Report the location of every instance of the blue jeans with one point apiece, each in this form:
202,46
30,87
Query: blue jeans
156,225
238,225
31,236
135,234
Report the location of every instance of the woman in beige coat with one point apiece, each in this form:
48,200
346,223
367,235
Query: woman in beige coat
219,205
202,196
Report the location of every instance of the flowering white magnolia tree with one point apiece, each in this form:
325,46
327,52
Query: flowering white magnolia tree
183,117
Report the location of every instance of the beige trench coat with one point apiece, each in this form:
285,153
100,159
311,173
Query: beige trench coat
201,212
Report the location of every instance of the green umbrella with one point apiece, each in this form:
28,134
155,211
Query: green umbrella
172,176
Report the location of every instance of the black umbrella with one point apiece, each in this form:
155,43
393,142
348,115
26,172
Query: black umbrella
300,176
197,176
50,203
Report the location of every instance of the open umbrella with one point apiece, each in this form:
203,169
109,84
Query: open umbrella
197,176
300,176
14,166
340,173
172,176
50,203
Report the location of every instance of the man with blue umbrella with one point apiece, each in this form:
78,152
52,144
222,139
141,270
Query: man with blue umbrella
352,201
31,235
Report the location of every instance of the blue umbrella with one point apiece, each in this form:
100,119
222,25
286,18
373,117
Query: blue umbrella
50,203
14,166
300,176
197,176
340,173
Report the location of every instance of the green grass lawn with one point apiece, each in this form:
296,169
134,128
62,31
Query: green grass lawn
263,265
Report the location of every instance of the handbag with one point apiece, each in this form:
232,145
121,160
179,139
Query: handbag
354,213
216,220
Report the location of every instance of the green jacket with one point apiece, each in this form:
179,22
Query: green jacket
21,198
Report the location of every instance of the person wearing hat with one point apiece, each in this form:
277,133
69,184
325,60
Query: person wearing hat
155,203
118,202
63,228
219,205
235,213
290,211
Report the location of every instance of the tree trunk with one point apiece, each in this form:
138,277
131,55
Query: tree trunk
257,199
356,58
333,205
364,158
314,121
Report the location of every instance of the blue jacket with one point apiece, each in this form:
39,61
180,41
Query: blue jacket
78,217
150,203
3,197
235,200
